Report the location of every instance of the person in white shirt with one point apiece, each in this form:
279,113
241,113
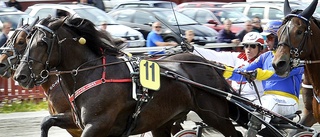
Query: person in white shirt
253,43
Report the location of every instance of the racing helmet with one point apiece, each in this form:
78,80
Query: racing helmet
271,27
253,38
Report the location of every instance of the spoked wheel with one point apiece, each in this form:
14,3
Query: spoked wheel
186,133
306,134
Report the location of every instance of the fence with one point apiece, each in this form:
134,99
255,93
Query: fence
10,90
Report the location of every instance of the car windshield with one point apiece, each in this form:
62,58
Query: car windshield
15,18
165,5
234,16
175,18
95,15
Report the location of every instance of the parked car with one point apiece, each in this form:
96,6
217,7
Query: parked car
147,4
174,23
264,10
200,4
13,16
214,17
95,15
8,9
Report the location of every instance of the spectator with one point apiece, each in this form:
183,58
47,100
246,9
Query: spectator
113,41
14,3
227,36
247,29
189,35
256,23
5,31
154,38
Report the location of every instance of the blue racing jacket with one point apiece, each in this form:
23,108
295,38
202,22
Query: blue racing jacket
273,84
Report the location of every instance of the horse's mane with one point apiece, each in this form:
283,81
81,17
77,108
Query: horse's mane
87,30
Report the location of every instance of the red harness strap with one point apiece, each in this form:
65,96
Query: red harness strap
97,83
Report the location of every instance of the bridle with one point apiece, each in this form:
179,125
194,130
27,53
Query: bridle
9,47
44,74
295,52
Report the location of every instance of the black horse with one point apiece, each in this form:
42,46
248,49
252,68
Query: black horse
58,104
105,107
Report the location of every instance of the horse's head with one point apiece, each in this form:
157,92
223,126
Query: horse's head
63,44
13,49
41,52
294,38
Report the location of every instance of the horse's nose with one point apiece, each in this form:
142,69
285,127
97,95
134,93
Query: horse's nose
279,64
3,65
20,78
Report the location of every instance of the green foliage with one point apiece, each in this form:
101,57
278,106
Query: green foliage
23,106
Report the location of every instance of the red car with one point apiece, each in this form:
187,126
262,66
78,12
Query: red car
214,17
200,5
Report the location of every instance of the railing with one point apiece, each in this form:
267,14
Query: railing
9,90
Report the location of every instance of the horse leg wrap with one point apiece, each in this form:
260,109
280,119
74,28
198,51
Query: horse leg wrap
254,125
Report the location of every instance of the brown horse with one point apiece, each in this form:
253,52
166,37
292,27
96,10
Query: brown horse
58,104
107,109
298,40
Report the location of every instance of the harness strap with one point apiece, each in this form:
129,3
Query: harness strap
97,82
94,84
306,86
134,84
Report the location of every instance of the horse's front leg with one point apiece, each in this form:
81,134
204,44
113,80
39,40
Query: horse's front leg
308,118
99,127
62,120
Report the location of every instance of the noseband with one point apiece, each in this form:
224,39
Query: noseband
295,52
49,41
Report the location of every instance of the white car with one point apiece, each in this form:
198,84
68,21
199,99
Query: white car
133,37
14,16
264,9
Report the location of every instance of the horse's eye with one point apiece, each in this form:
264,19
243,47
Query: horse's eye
20,42
299,32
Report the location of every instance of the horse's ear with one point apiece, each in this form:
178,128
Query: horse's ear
33,23
20,23
64,21
307,13
286,8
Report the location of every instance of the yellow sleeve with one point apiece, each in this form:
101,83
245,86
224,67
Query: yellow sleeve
228,72
263,74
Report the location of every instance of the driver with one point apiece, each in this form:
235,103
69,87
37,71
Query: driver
281,95
238,60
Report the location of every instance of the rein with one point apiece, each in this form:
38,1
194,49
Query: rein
75,71
190,62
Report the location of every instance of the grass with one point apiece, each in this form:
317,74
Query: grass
23,106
